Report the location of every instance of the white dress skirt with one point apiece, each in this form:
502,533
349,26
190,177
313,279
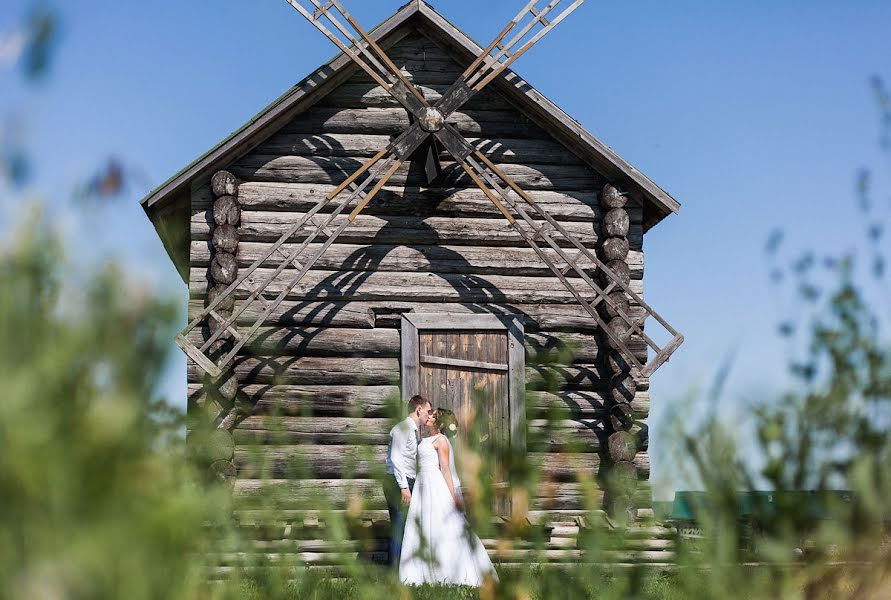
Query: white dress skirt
438,546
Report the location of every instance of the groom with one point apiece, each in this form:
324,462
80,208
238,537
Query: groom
401,456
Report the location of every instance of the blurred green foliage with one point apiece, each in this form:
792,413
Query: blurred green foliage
97,499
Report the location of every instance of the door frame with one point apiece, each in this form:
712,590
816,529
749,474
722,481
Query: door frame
513,324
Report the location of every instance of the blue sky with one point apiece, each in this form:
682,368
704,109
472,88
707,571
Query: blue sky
753,115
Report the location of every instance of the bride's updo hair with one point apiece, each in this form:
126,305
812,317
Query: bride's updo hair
446,422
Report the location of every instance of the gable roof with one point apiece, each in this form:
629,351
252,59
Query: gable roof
168,205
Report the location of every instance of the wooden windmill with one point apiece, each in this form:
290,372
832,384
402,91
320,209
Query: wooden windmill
430,123
415,217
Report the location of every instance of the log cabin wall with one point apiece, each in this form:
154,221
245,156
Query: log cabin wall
327,359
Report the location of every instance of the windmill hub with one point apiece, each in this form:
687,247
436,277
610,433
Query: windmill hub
431,120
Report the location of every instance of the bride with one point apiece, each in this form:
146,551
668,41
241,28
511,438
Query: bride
438,546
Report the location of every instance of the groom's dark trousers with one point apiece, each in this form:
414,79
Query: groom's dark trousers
398,511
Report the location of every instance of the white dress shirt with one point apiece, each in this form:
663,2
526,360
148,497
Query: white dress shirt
402,453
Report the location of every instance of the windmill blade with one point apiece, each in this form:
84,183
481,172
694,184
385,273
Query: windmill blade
492,181
479,82
199,355
488,66
362,49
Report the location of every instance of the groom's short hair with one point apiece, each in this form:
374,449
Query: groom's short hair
416,401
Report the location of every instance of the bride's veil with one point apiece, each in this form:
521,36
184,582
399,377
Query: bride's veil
456,481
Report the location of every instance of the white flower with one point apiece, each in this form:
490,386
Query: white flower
453,427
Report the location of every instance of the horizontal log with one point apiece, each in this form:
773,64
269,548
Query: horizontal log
426,201
365,229
361,145
383,401
560,377
311,461
274,521
567,467
378,343
435,287
314,430
335,462
333,371
566,435
579,404
641,557
311,370
388,257
334,563
291,546
279,401
493,124
254,562
491,544
543,435
537,317
318,341
367,494
289,313
321,170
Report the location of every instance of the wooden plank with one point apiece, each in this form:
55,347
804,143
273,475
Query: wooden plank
463,321
409,375
196,355
462,364
516,409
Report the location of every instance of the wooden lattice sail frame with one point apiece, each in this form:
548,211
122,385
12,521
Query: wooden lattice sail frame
430,120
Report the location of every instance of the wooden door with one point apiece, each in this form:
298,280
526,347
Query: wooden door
466,372
472,365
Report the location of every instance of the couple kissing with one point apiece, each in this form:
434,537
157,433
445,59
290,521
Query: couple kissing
430,539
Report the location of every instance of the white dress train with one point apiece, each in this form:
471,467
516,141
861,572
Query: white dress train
438,546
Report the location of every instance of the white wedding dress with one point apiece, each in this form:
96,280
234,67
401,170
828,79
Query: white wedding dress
438,546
